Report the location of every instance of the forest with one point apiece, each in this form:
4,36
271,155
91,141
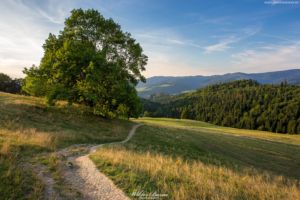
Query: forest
244,104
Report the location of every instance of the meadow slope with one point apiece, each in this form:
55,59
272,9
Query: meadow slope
30,132
202,164
185,159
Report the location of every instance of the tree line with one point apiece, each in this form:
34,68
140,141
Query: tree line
244,104
10,85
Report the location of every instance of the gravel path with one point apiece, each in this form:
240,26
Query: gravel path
86,178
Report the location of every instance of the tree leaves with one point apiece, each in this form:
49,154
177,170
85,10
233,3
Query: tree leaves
92,62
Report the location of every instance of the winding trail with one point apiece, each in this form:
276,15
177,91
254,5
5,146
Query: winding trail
86,178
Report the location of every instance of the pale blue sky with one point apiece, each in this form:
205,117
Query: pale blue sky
180,38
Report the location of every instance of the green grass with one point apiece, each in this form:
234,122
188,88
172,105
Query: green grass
188,91
165,85
197,125
28,127
185,159
202,163
151,88
141,89
266,150
145,89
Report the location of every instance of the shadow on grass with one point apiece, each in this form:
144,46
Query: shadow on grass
190,165
66,125
227,150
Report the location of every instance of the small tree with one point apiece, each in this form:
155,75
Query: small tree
146,114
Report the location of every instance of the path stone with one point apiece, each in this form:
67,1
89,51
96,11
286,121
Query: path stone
85,177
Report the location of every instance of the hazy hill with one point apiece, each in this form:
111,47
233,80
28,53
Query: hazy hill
175,85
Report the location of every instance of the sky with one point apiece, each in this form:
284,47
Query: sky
180,38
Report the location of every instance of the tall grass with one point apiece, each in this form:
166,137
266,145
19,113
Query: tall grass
28,127
182,179
188,164
5,149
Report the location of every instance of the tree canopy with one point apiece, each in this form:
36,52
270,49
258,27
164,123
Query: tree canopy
241,104
92,61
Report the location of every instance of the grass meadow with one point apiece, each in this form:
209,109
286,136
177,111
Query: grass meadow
194,160
197,125
184,159
29,128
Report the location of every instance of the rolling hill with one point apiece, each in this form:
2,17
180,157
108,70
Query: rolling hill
175,85
243,104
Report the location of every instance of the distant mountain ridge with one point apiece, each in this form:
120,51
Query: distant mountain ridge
175,85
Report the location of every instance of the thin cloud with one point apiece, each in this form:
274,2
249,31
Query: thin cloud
48,17
183,43
269,47
244,54
169,40
277,58
223,45
23,31
149,36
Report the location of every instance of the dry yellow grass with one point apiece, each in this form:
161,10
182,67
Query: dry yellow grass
195,180
188,164
5,149
28,127
32,137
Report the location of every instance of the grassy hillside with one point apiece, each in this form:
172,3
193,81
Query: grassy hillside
185,159
202,163
197,125
29,128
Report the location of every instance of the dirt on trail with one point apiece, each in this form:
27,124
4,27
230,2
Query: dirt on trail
80,172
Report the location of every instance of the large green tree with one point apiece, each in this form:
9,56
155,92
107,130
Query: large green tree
92,61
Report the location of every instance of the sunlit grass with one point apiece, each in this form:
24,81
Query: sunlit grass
189,164
141,89
195,180
165,85
192,124
188,91
28,127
